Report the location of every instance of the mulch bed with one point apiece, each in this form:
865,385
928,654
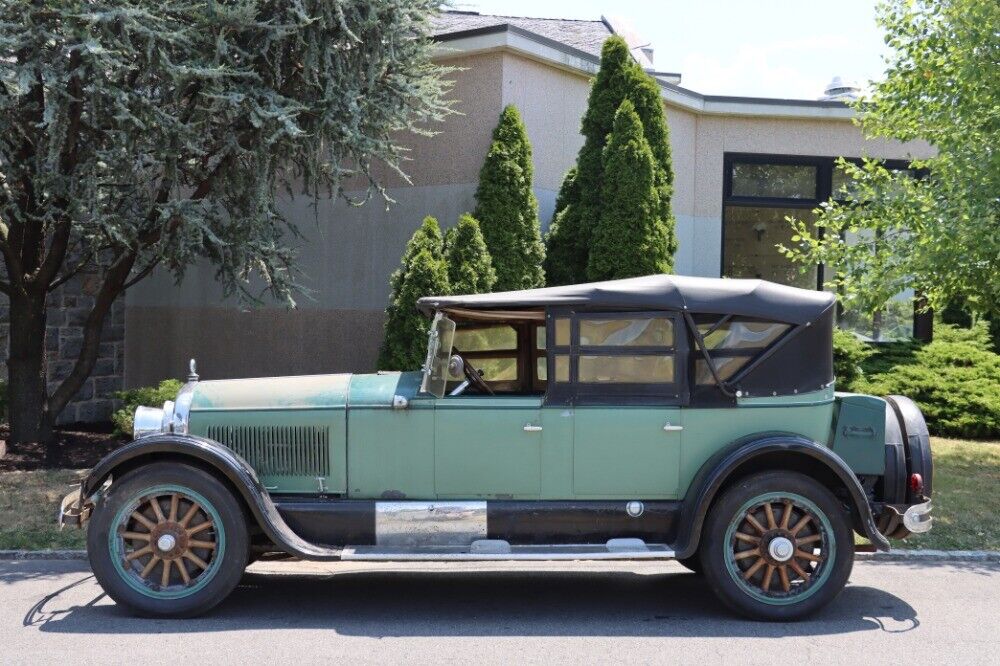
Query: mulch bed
77,446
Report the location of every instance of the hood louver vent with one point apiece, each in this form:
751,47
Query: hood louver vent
272,451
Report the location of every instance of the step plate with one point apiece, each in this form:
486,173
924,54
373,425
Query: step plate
619,549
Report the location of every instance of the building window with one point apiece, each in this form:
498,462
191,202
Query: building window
759,192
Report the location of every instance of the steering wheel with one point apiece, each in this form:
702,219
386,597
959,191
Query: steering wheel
475,378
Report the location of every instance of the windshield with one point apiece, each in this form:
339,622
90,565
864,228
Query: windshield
439,344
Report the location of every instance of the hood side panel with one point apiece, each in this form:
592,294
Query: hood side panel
296,392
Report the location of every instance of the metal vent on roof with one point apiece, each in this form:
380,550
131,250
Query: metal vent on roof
278,450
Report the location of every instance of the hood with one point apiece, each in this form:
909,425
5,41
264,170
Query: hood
305,391
297,392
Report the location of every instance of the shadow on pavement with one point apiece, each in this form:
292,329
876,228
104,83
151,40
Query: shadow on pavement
481,603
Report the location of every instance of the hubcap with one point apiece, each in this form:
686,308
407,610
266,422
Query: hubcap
166,543
780,549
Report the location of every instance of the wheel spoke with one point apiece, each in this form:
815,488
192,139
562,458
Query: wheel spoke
786,515
146,522
756,523
209,545
136,536
189,515
769,512
786,585
149,566
808,539
808,556
155,503
174,500
199,528
754,569
802,523
182,569
744,554
799,570
768,575
134,555
197,560
748,538
165,577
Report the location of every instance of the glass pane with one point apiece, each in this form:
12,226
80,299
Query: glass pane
742,334
541,369
540,337
562,368
894,322
843,187
562,332
439,344
784,181
486,339
645,369
627,332
726,367
751,237
496,369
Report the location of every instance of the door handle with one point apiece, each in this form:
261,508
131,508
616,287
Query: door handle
532,428
673,428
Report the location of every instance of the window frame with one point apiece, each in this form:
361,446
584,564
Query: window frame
575,392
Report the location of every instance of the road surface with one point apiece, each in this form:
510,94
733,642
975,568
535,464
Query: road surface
304,613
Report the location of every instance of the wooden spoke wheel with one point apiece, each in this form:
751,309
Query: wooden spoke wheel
170,540
779,546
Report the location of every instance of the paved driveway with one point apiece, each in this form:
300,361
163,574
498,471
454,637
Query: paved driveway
304,613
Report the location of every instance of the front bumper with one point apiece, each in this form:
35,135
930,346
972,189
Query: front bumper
918,518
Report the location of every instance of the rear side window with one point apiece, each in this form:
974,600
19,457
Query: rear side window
733,342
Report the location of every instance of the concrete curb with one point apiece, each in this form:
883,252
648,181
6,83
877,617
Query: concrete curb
894,556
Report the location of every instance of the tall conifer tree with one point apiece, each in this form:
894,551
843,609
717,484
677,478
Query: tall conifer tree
470,267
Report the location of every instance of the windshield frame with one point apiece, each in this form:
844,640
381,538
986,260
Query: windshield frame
440,341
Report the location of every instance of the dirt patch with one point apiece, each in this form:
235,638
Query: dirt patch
78,446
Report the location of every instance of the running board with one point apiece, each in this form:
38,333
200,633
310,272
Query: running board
486,550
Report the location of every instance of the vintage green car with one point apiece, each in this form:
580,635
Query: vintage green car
658,417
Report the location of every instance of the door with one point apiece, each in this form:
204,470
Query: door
627,452
487,447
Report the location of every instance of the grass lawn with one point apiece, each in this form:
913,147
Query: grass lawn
966,498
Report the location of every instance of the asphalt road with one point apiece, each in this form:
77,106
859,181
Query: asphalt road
304,613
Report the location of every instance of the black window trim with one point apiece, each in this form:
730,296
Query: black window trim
575,392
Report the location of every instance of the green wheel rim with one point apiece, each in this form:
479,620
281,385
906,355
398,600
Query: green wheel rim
754,548
161,516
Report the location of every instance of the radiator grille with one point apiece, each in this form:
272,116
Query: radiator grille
278,450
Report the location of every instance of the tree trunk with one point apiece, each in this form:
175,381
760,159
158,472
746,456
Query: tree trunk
30,420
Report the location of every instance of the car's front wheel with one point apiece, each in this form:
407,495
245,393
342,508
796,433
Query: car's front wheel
168,540
777,546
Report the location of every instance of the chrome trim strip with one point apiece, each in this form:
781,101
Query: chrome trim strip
597,551
422,524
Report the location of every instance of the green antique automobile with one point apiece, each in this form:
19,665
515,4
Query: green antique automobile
659,417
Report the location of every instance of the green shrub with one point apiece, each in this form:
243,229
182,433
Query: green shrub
507,209
150,396
955,380
849,353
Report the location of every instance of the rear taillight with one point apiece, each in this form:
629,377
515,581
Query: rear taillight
916,483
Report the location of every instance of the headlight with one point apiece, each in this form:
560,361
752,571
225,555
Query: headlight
147,421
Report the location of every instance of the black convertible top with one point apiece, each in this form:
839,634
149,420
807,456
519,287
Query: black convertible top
748,298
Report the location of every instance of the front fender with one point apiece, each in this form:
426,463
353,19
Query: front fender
714,474
225,463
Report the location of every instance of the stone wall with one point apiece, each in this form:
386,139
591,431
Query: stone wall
68,308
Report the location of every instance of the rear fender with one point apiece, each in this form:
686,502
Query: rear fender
796,450
219,460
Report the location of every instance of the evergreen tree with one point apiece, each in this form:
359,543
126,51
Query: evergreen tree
618,79
507,209
630,238
422,272
470,267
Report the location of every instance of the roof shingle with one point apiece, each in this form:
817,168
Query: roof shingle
587,36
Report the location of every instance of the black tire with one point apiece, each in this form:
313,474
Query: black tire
692,564
201,588
727,558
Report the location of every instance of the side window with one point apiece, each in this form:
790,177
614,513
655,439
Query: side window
733,342
492,349
596,356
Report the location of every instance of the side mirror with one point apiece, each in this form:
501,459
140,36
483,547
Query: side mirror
456,366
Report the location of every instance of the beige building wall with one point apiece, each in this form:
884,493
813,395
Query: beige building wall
349,252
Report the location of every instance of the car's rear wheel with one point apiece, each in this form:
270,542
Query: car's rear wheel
168,540
777,546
